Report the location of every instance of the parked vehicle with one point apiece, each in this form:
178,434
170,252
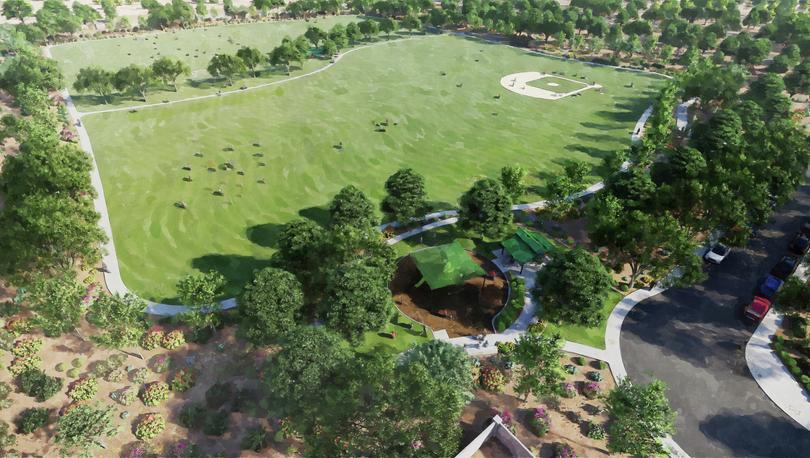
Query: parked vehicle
717,254
757,309
785,268
800,244
770,287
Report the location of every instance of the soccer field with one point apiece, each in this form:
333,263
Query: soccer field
448,117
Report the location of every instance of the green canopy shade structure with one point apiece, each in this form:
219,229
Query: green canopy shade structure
526,245
445,265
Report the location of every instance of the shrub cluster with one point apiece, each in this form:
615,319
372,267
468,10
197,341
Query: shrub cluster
154,393
540,422
27,347
174,340
32,419
594,376
125,396
83,389
492,379
150,426
595,431
38,384
183,380
564,451
152,339
218,394
591,390
20,365
569,390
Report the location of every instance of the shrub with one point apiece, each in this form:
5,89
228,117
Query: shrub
192,415
182,449
139,375
603,365
77,363
32,419
26,347
505,348
218,394
152,339
72,373
161,363
174,340
154,393
83,389
116,375
7,438
569,390
594,376
796,370
579,360
216,423
804,379
99,369
256,439
492,379
182,380
537,328
38,384
150,426
5,390
570,369
20,365
595,431
116,361
591,390
125,396
564,451
540,422
60,367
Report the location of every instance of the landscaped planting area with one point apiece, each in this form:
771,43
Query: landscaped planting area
246,163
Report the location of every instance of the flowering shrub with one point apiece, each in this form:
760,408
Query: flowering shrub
27,347
152,339
591,390
183,380
540,422
150,426
595,431
139,375
139,450
564,451
18,326
507,420
174,340
594,376
83,389
182,449
20,365
492,379
116,375
154,393
569,390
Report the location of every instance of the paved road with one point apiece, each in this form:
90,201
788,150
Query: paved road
694,340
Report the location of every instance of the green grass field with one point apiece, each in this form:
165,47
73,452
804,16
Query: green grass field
595,337
558,85
451,128
193,46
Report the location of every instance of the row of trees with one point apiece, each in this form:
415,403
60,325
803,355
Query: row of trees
132,79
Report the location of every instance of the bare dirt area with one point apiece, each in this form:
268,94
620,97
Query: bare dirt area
461,310
569,417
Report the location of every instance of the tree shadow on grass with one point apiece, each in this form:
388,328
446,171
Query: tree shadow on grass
237,269
319,215
265,235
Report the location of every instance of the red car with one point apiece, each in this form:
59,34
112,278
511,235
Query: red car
757,309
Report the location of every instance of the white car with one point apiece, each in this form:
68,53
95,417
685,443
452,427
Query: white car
717,254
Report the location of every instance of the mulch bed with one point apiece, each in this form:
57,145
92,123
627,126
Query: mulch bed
468,309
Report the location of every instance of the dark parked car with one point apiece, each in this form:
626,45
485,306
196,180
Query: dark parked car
770,287
785,268
800,244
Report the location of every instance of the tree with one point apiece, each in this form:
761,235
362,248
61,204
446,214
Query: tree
269,305
310,358
351,207
512,177
42,232
539,371
799,79
198,292
168,70
46,166
353,32
201,9
226,66
486,209
339,36
573,287
56,303
133,78
640,417
252,58
31,69
329,48
406,197
87,14
369,28
769,92
357,300
299,246
315,35
562,189
287,52
448,364
83,426
108,6
388,25
95,79
55,17
19,9
122,318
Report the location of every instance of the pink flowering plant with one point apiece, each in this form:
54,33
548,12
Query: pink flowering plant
540,422
591,390
508,420
564,451
569,390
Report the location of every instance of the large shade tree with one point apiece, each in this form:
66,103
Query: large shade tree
95,79
168,70
350,207
269,305
357,300
406,197
640,418
486,209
